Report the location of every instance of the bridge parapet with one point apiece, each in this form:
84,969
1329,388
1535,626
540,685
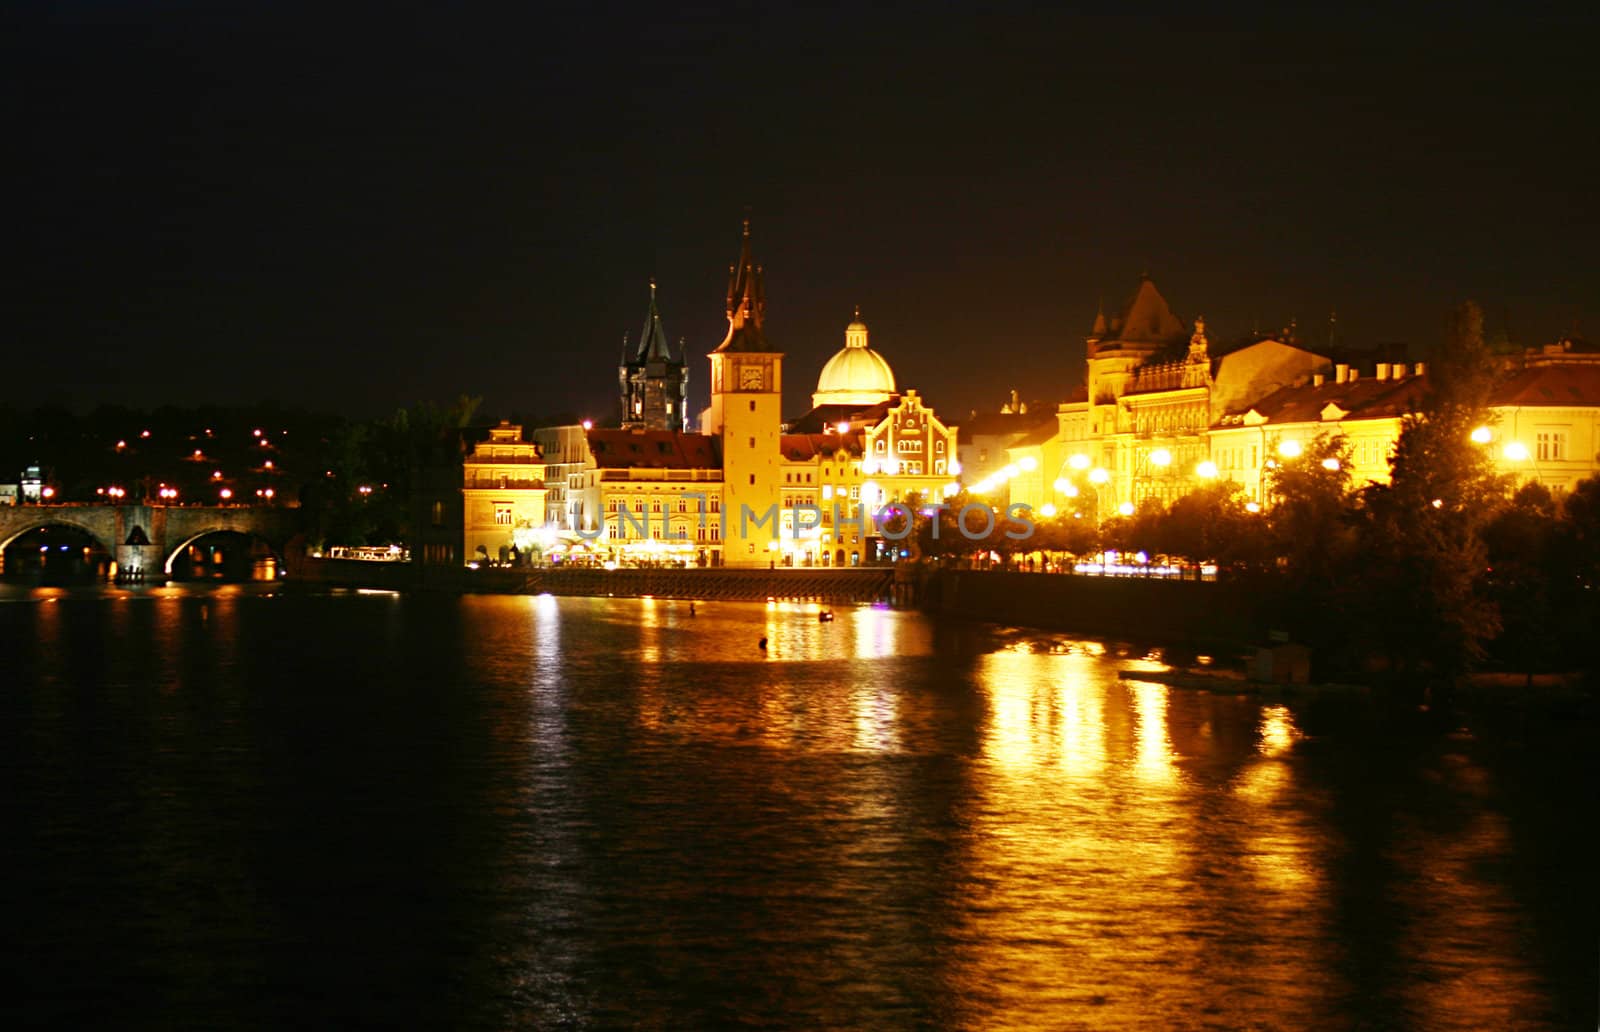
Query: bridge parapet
143,539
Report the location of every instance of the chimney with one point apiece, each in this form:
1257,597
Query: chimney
1383,370
1317,379
1421,368
1341,373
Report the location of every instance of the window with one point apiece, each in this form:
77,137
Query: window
502,514
438,514
938,467
938,447
882,447
1552,445
752,405
752,479
752,442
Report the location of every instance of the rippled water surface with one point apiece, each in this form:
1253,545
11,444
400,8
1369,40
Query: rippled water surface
244,806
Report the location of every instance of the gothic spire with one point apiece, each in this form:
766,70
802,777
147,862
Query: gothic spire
653,339
747,302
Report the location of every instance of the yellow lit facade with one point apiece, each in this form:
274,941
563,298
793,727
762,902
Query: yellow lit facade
504,494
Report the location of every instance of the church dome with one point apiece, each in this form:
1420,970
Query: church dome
857,375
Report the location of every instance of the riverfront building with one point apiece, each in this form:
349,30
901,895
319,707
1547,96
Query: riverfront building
503,495
1164,411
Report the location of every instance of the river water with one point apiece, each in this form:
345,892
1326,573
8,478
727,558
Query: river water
251,806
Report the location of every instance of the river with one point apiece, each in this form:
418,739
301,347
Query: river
257,806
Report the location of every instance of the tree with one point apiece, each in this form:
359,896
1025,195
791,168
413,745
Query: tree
1423,559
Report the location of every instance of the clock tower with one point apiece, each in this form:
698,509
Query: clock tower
746,416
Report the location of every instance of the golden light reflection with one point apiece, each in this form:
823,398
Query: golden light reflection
877,633
1154,757
1277,730
876,720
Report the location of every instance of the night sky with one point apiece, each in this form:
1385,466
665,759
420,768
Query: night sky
356,208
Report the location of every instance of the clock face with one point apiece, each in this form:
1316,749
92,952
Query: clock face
750,378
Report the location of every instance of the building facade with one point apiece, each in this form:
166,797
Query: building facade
503,496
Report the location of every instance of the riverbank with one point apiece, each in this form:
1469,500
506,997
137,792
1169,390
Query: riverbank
863,585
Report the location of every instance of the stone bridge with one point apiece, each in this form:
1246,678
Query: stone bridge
144,539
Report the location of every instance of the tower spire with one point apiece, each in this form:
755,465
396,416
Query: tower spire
747,302
653,339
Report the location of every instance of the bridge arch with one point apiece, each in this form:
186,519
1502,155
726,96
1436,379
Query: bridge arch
192,535
10,534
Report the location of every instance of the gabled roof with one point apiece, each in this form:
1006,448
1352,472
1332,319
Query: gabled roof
654,449
1550,385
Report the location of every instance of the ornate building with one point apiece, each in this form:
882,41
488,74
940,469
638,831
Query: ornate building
653,382
503,492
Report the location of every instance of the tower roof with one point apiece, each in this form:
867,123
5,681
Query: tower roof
747,303
1146,319
652,339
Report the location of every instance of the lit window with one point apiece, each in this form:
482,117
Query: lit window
1552,445
502,514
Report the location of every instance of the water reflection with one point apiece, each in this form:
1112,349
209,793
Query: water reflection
608,813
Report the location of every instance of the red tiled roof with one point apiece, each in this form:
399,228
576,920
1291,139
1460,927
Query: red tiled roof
654,449
799,447
1552,386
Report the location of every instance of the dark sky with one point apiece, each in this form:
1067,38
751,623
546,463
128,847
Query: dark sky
360,207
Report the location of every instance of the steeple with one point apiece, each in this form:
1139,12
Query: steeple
653,339
652,382
747,302
1099,329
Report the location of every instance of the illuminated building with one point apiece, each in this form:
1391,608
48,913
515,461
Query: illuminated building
503,494
652,496
1154,391
653,382
746,417
864,437
987,442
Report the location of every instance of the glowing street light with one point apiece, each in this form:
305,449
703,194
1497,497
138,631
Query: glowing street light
225,494
1482,435
1289,449
1098,476
1079,461
1330,463
1061,485
1206,470
1252,506
1028,463
1516,451
1126,508
1161,457
1047,510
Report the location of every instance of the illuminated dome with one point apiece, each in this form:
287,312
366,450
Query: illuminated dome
857,375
